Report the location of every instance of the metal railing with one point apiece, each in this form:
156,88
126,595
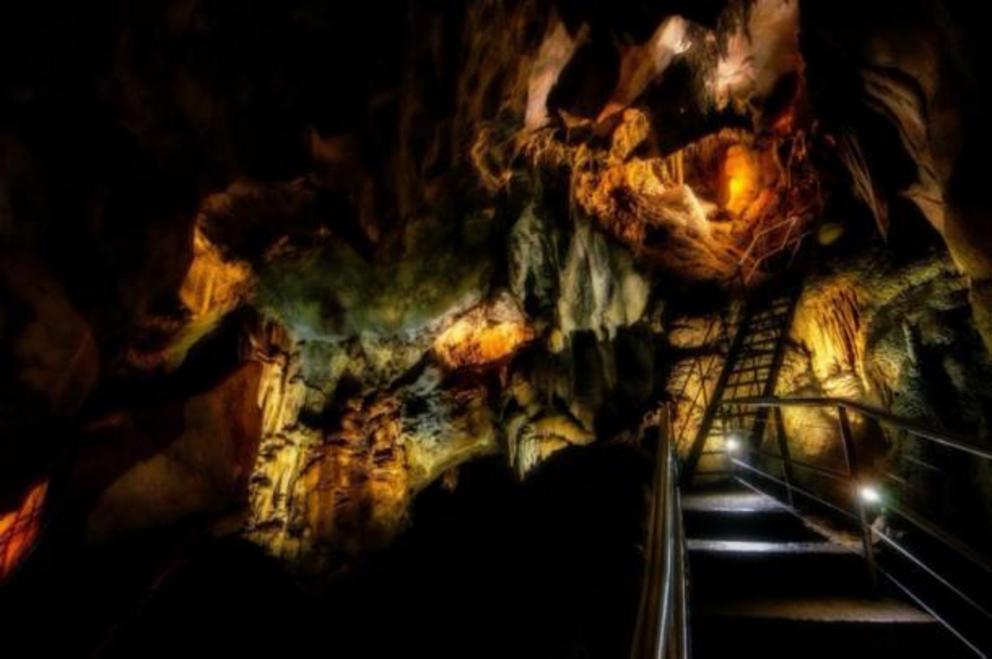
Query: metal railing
661,630
860,490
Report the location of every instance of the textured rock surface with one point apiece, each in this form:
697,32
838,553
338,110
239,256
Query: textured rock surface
267,263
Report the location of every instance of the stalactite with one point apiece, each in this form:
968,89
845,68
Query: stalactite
284,446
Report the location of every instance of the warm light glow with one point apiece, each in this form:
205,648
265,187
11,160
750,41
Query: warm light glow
736,187
742,177
19,529
733,444
484,335
870,494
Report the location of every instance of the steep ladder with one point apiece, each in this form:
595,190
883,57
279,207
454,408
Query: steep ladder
751,368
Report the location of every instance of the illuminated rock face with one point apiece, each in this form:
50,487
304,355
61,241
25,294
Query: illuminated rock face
348,486
306,285
340,300
488,333
896,336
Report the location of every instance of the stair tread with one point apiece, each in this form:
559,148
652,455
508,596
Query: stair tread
819,609
764,547
730,502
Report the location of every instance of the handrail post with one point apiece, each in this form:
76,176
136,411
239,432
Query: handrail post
854,471
847,442
783,449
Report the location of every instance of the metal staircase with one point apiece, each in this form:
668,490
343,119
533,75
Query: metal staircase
764,583
735,570
758,577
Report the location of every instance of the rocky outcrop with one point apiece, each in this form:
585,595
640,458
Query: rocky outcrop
920,132
276,279
899,337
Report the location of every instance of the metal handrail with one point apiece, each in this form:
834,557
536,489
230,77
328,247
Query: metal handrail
869,534
951,440
661,630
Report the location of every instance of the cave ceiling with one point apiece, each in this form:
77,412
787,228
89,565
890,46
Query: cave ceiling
303,262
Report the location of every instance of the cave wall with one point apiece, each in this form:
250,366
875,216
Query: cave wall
273,269
900,85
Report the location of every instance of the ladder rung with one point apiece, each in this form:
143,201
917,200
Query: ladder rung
746,391
756,353
750,361
751,357
730,408
744,383
760,377
760,342
772,333
771,316
752,369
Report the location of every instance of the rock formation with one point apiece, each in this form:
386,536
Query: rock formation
277,272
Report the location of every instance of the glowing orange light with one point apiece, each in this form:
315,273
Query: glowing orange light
19,529
741,173
736,187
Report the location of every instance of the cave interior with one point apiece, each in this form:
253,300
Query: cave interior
369,328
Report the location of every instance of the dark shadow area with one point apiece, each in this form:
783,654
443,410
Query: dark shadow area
545,568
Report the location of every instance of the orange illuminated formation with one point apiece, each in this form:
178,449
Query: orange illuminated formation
742,176
483,335
19,529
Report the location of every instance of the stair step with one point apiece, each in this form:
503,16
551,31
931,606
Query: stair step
742,548
718,520
715,463
734,568
728,486
713,479
730,502
774,637
819,609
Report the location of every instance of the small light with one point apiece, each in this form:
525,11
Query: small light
732,444
870,494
